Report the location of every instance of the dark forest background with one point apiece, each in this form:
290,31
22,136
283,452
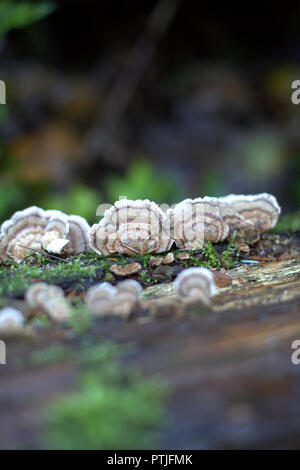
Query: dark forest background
162,99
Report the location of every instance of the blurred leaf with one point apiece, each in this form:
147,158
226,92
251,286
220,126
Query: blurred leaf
79,200
12,197
18,14
213,184
142,181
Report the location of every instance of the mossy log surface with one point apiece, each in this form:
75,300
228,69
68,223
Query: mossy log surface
230,370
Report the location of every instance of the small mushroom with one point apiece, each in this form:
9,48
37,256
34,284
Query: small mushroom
105,299
11,321
195,285
131,227
99,299
183,256
127,296
168,259
48,298
127,270
155,261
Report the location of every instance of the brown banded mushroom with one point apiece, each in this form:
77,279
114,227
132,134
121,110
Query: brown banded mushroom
36,229
195,285
183,256
194,221
168,259
127,270
262,210
49,299
131,228
24,230
155,261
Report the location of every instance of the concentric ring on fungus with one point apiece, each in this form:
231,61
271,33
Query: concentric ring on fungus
35,229
131,227
195,221
195,285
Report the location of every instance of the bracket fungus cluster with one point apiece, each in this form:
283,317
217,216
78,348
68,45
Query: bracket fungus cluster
195,285
194,221
138,227
105,299
36,229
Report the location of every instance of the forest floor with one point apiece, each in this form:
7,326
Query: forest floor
169,376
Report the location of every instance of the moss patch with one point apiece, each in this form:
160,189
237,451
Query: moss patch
77,273
113,407
288,223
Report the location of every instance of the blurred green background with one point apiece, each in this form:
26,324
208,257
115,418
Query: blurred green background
157,99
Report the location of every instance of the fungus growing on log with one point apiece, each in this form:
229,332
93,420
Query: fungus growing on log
105,299
195,285
35,229
194,221
131,227
49,299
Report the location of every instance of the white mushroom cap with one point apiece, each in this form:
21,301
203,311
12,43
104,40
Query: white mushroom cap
195,284
11,320
130,227
56,231
78,235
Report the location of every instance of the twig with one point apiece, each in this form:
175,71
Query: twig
47,255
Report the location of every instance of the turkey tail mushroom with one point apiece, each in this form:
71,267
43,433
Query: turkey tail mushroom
259,210
195,285
194,221
131,227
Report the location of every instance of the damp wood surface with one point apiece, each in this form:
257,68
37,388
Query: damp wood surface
232,379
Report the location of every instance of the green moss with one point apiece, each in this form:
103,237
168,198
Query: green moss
145,277
112,407
53,354
288,223
81,318
230,256
212,258
78,272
